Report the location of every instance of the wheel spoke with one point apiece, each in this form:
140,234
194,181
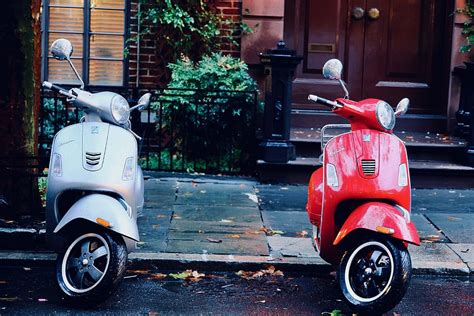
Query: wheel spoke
99,252
373,289
74,263
375,256
95,273
78,279
85,248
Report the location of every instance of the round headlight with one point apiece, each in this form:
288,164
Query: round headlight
120,109
385,115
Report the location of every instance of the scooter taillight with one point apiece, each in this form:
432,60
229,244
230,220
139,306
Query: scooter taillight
57,166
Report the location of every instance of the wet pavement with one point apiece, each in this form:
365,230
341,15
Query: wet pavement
26,290
240,220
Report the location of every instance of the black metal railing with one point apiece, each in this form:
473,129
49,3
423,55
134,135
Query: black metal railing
185,130
199,131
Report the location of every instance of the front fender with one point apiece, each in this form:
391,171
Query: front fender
371,215
94,206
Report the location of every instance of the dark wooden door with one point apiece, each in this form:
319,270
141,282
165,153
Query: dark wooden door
400,53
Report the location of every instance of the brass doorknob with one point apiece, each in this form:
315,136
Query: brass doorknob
374,13
358,13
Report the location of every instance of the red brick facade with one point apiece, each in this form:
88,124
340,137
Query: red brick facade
151,67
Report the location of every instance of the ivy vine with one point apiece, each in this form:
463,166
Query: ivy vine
468,26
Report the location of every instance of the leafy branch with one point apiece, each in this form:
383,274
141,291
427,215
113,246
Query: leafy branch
468,27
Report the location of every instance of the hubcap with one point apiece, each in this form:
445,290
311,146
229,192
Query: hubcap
85,263
369,271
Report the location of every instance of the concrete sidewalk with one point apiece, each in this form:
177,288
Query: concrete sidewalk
234,222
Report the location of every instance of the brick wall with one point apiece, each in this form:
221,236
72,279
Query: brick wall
231,10
152,68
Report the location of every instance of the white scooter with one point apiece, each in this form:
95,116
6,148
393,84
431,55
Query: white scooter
95,189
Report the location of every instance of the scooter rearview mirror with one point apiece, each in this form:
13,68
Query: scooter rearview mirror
332,69
143,103
402,106
61,49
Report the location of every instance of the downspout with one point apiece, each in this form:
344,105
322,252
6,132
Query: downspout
137,80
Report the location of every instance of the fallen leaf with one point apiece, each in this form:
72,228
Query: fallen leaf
452,218
249,275
431,238
142,272
335,312
157,276
271,232
216,241
176,216
181,275
302,233
188,275
235,236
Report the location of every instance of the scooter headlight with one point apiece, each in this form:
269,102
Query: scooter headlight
120,109
385,115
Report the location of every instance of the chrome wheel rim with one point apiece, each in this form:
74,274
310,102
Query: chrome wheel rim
369,271
85,263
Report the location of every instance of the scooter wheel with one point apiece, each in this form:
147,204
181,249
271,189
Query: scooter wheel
91,267
374,275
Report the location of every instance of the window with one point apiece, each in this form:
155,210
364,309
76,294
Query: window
97,30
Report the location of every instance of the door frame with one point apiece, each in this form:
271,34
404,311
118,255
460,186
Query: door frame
293,34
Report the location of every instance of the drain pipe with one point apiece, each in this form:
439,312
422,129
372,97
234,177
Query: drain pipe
137,80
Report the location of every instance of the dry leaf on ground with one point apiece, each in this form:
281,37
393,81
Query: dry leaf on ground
157,276
188,275
270,271
302,233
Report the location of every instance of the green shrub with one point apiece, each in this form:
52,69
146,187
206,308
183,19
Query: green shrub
212,124
468,27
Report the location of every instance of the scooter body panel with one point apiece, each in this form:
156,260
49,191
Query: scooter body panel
93,157
99,208
357,183
375,216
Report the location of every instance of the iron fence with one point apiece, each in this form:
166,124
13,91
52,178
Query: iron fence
185,130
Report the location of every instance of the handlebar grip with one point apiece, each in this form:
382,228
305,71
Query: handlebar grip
52,87
322,101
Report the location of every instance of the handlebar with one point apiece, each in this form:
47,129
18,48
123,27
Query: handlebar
57,89
323,101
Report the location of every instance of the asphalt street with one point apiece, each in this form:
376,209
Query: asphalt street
26,290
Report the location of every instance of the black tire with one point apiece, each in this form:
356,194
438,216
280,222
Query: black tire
374,275
91,267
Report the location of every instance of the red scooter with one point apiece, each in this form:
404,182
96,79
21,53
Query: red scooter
359,202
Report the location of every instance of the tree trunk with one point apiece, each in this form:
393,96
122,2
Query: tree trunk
20,66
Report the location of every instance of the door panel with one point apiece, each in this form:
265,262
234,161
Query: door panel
398,55
318,32
401,53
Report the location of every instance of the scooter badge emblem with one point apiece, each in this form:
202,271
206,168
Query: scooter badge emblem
366,137
95,129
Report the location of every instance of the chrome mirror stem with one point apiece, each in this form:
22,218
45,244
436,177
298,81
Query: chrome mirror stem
346,92
77,74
